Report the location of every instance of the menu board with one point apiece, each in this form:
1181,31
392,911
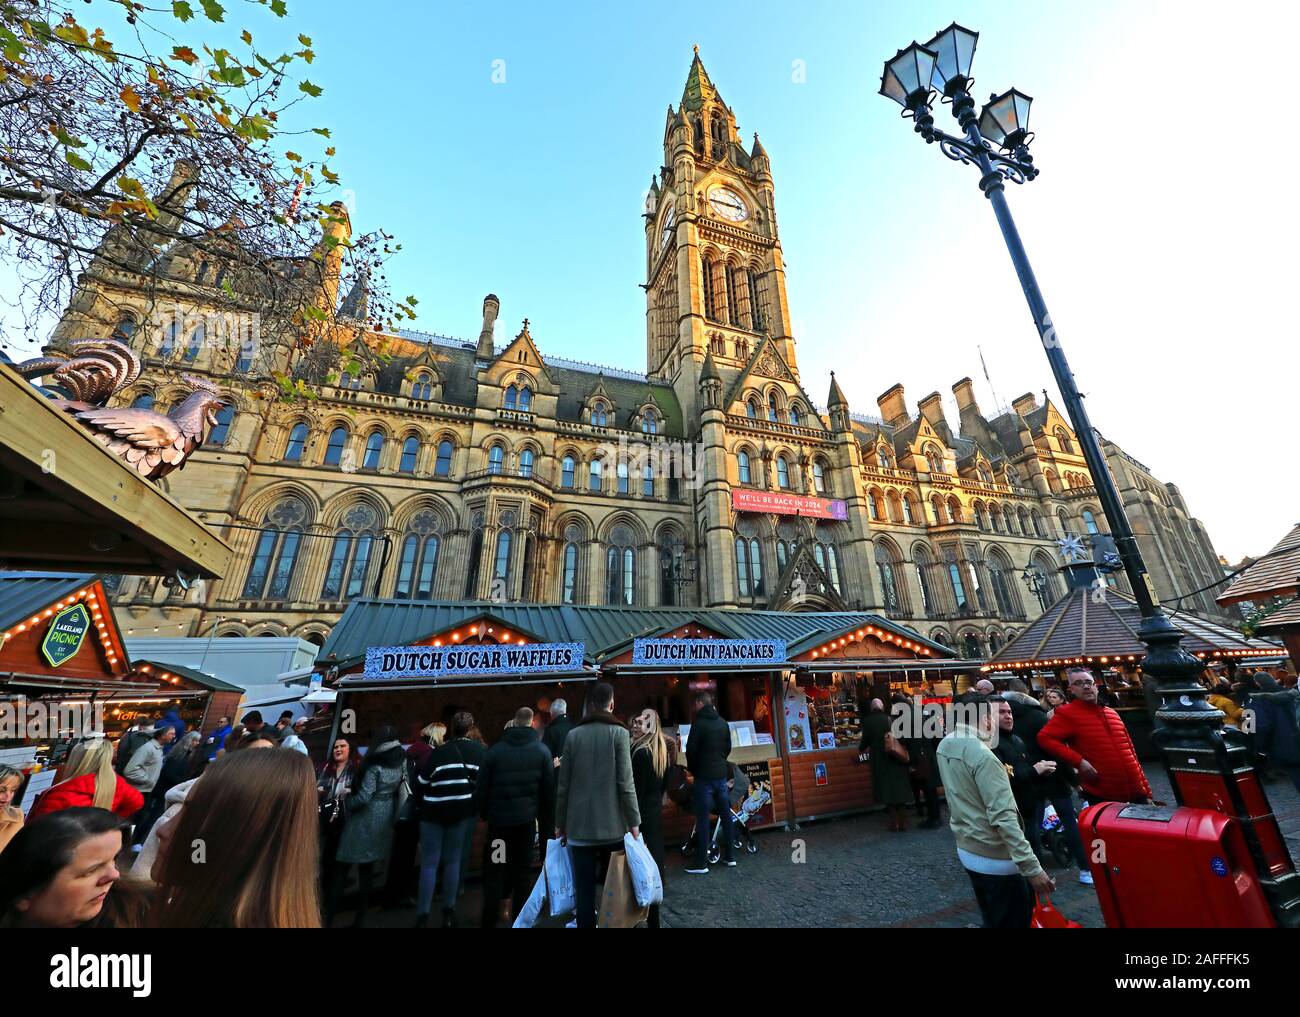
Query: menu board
798,731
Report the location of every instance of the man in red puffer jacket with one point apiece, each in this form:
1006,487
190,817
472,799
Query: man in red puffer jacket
1092,738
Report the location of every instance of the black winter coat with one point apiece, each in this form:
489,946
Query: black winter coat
1025,783
708,745
1027,720
445,786
650,788
555,733
516,784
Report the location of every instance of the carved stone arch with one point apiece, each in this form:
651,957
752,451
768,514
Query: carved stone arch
405,511
574,517
269,628
255,506
337,509
315,632
623,519
231,629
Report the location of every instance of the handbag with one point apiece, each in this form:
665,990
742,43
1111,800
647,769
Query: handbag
896,748
1046,916
405,811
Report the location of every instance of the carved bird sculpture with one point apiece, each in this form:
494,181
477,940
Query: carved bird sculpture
152,443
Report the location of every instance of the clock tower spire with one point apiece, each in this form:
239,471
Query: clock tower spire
715,278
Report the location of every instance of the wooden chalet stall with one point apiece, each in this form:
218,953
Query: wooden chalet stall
1098,631
62,662
758,666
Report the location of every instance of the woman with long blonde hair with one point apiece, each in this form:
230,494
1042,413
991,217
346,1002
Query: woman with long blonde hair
242,852
650,776
88,779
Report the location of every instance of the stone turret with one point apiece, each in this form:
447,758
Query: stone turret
337,233
838,407
491,307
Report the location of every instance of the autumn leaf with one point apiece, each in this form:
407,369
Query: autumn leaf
305,40
293,156
185,54
309,88
213,10
278,8
131,99
324,132
182,10
76,161
247,36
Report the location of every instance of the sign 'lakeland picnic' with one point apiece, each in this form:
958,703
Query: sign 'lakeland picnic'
65,635
471,661
680,652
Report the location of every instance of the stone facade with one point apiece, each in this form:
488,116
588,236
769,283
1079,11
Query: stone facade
428,467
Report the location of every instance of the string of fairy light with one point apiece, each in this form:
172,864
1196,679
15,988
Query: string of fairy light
1113,659
86,596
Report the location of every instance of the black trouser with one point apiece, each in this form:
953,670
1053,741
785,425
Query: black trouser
366,877
154,806
589,867
929,789
402,870
1005,901
506,869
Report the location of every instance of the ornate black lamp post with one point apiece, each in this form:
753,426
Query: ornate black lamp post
1208,766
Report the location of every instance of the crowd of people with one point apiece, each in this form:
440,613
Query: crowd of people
154,831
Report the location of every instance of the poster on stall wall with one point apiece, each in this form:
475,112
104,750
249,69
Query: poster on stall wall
757,808
796,719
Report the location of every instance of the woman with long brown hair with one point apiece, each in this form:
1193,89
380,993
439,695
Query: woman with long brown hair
241,853
88,779
650,777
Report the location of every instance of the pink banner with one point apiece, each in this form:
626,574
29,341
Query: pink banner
780,503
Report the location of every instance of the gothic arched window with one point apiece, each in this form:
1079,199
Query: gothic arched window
572,564
620,567
271,575
349,564
526,463
423,387
297,442
418,568
334,448
168,347
410,454
195,344
885,560
221,429
598,414
496,456
374,450
782,473
742,467
525,399
595,475
442,465
567,466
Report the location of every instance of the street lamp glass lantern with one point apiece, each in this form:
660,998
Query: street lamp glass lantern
1005,119
907,76
954,49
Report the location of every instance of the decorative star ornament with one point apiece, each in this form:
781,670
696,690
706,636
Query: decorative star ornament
1071,549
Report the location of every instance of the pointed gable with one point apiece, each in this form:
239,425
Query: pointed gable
766,362
523,352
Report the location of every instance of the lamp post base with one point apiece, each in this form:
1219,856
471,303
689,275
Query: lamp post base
1211,767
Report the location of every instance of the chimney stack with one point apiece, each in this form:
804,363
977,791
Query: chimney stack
491,305
931,408
964,392
1025,404
893,407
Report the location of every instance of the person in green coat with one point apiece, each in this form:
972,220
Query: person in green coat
371,808
890,782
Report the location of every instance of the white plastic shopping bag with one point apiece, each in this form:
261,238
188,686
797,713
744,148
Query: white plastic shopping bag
532,906
559,879
1050,818
646,884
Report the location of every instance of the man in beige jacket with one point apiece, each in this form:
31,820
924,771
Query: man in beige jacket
991,845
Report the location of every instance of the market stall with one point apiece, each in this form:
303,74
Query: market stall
1099,632
62,664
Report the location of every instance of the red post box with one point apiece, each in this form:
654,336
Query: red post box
1159,868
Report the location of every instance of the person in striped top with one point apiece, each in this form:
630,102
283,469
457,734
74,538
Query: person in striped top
445,788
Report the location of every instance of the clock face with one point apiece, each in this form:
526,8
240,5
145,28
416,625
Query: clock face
667,232
728,204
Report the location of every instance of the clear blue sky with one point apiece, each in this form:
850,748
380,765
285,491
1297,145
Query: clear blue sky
1166,275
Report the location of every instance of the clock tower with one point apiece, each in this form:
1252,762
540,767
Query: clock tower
715,279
